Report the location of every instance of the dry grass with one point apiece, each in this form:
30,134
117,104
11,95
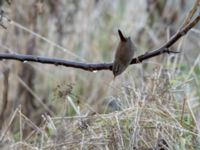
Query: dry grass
152,104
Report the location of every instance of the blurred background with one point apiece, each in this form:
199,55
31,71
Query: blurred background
164,87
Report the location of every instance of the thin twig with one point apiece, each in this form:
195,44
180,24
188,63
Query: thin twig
4,96
183,110
103,66
8,125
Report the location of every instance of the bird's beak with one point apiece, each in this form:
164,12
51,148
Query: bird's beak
114,77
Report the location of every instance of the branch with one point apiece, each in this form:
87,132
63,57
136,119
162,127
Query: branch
103,66
165,47
56,61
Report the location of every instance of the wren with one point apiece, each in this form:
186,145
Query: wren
123,55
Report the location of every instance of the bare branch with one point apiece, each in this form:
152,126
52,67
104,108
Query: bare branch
56,61
103,66
172,40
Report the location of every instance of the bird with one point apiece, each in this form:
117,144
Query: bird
123,54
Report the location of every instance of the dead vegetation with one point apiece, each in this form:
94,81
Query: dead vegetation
153,105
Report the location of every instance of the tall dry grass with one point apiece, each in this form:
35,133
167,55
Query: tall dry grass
153,105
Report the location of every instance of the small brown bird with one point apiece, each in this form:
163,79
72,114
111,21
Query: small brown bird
123,55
